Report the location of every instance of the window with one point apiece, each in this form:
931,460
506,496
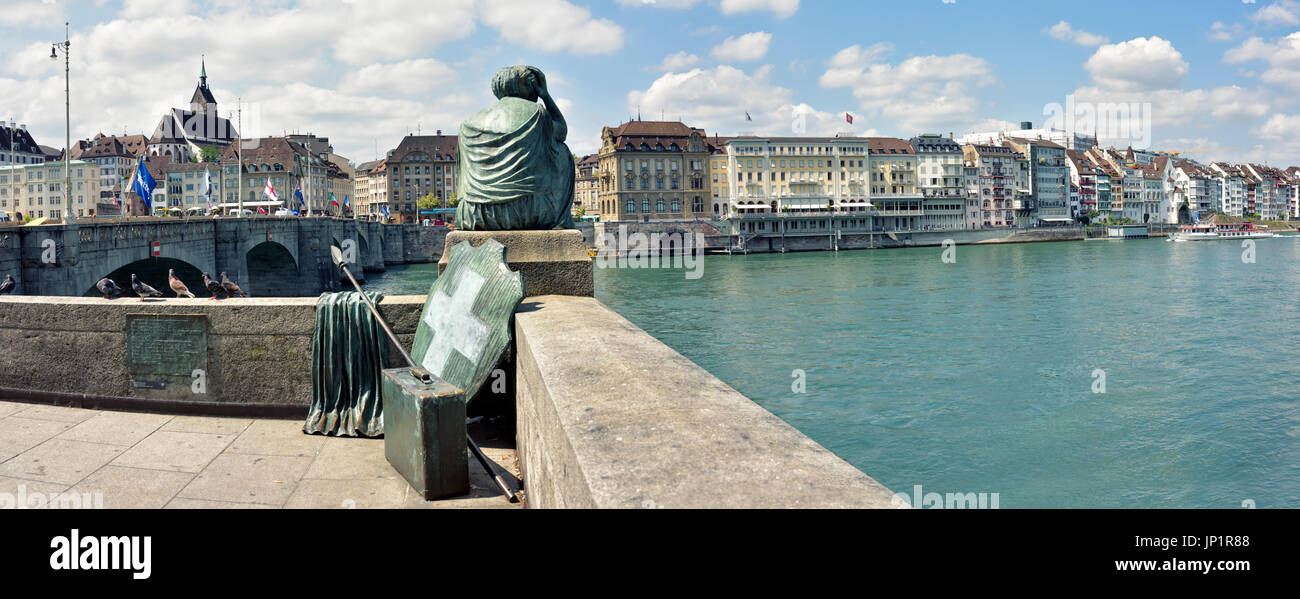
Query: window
659,205
645,204
631,205
677,205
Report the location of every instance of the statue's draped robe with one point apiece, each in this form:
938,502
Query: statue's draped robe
514,173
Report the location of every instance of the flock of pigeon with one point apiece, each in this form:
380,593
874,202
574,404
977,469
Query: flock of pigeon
225,287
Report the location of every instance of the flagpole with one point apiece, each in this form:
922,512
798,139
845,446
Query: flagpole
239,157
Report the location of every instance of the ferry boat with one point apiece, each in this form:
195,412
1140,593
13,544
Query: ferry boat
1203,232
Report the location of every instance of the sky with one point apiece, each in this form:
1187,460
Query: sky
1190,75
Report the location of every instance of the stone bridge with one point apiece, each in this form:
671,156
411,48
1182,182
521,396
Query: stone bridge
267,256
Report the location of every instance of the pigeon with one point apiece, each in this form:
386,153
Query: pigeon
231,288
214,287
8,285
108,287
143,290
176,284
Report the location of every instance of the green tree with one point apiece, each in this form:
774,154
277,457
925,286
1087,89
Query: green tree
428,202
454,200
209,154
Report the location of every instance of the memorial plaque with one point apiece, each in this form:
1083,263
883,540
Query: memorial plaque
163,351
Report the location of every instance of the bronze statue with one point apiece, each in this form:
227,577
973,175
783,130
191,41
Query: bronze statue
515,170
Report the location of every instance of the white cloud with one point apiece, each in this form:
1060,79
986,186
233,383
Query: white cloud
678,62
550,25
393,29
1284,12
1282,56
920,93
135,9
1065,32
128,71
748,47
718,98
407,78
781,8
1220,32
1138,64
1281,127
31,13
672,4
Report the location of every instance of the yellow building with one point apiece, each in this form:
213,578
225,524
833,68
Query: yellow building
796,174
37,189
586,187
652,170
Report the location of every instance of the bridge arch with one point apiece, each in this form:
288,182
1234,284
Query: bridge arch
153,272
272,270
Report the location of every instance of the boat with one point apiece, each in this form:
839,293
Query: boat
1205,232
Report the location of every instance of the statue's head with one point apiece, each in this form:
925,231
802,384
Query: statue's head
518,81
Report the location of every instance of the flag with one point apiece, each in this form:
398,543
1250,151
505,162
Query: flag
384,210
346,204
207,187
848,117
297,193
262,209
270,191
333,202
747,116
144,185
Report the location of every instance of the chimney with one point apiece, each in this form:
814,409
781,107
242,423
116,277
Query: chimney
440,132
1026,125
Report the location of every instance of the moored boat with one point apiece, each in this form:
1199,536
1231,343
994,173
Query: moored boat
1204,232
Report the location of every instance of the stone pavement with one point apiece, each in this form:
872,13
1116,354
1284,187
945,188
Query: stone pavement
138,460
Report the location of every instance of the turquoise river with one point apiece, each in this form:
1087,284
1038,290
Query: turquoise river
982,375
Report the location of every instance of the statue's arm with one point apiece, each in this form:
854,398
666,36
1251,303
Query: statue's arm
557,119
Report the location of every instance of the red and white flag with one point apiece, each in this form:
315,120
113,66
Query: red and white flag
270,191
848,117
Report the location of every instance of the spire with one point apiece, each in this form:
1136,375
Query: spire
203,72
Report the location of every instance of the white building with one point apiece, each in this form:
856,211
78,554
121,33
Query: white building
1070,140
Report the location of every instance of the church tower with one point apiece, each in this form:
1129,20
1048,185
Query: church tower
203,100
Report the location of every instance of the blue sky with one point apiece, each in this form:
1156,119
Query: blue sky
1216,74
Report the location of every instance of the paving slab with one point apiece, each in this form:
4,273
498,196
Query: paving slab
116,428
276,437
132,488
184,503
266,479
18,434
349,494
207,424
175,451
343,458
60,461
16,493
9,407
59,413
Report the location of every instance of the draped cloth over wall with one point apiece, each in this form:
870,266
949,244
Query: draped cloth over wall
349,351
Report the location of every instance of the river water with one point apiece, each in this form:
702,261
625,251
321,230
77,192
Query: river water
1125,374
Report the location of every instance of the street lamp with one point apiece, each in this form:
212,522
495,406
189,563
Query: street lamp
67,120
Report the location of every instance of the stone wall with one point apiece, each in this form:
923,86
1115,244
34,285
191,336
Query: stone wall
259,349
644,427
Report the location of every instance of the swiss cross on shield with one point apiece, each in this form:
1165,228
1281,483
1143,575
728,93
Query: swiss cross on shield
157,249
465,326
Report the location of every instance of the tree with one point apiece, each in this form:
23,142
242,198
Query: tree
454,200
428,202
209,154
